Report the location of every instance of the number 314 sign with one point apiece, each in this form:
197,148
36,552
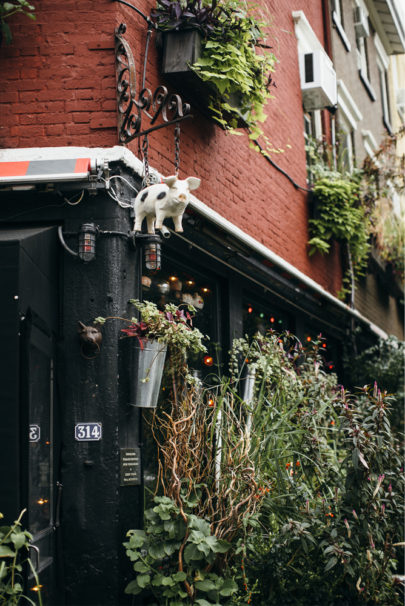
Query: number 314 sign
88,432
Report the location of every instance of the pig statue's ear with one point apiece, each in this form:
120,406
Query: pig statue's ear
193,182
170,181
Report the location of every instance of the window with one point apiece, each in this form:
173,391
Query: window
184,286
363,57
259,316
382,66
362,32
383,76
338,20
312,132
346,151
348,116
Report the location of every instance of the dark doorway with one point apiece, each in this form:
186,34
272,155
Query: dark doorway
29,441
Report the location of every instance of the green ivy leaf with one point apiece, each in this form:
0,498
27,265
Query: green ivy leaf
331,563
19,539
133,588
228,588
6,552
143,580
205,585
180,576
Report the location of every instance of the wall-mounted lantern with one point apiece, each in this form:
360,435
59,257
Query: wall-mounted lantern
87,242
152,252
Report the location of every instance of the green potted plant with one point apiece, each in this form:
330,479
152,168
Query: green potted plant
211,50
155,334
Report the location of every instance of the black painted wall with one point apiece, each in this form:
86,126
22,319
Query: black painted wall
96,511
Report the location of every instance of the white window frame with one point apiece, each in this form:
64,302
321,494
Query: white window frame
337,18
369,142
383,65
348,116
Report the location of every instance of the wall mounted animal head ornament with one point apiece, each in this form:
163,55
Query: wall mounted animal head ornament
162,200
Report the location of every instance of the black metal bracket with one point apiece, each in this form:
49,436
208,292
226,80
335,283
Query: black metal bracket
168,107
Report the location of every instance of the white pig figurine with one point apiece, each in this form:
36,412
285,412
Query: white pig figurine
162,200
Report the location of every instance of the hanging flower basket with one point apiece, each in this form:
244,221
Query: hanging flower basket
216,55
180,50
146,364
148,338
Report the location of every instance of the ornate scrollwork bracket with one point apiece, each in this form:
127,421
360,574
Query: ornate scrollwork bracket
162,108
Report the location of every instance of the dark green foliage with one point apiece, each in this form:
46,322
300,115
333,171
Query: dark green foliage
7,10
340,216
383,363
316,469
155,553
332,516
176,15
14,556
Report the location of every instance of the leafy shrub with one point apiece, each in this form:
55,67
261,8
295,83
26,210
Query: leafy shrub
341,216
14,555
171,540
382,362
279,487
330,519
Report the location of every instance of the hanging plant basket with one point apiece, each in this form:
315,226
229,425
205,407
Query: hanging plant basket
180,50
146,364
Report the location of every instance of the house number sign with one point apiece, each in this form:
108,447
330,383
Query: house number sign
34,433
88,432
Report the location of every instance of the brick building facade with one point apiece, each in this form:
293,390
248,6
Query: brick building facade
243,252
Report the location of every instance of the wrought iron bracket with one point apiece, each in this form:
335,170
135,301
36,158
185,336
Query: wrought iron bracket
161,108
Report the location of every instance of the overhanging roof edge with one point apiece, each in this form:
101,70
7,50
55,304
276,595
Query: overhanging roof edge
127,158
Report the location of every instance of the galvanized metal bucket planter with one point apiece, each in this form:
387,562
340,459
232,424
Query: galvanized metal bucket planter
146,370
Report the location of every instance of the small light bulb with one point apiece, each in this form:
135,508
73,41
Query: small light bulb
208,360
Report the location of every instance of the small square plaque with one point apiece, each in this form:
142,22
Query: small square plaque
130,467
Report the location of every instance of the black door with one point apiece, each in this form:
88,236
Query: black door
29,443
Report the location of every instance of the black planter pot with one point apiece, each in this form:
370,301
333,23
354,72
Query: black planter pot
180,49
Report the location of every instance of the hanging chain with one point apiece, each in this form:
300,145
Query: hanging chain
145,149
177,147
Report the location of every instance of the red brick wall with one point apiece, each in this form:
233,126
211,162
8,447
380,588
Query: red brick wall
57,89
57,76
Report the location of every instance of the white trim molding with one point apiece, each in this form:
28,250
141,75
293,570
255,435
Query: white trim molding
347,105
370,144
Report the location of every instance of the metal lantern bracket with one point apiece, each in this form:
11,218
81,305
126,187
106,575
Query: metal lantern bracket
161,107
87,236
